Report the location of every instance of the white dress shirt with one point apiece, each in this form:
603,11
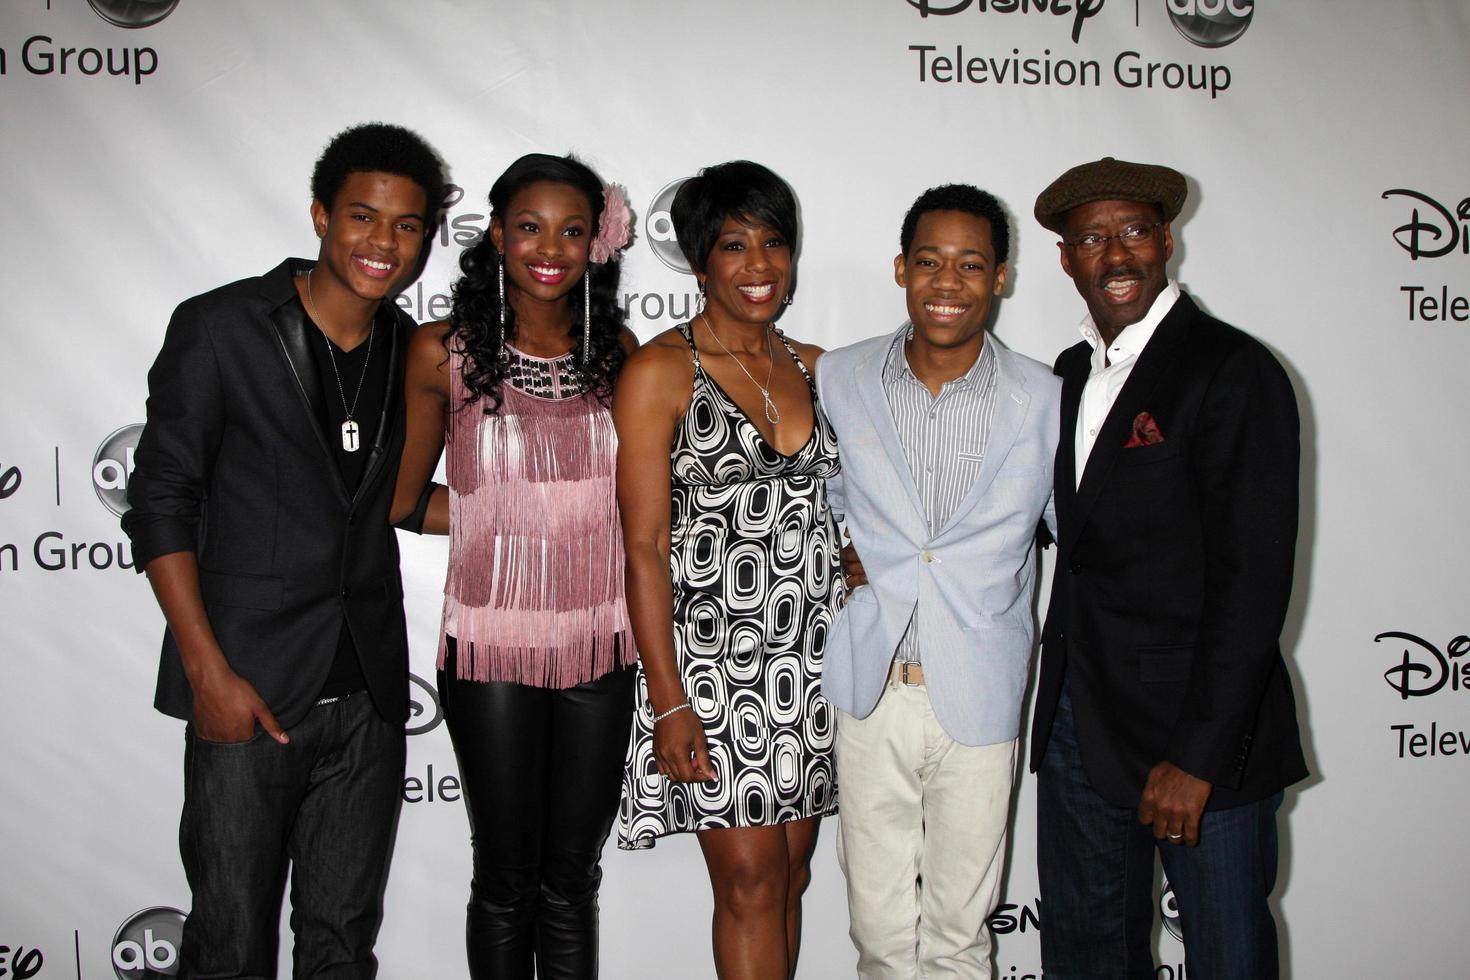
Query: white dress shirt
1111,367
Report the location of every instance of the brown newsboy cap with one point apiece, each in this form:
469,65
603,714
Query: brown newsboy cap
1110,180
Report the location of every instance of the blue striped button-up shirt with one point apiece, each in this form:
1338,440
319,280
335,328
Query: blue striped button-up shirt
944,438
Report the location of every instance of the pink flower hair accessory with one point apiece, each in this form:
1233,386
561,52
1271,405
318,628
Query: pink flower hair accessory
615,228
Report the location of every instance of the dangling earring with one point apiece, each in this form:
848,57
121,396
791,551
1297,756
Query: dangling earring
787,300
500,275
586,315
700,297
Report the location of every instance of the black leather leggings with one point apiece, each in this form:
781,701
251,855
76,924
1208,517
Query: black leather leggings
542,770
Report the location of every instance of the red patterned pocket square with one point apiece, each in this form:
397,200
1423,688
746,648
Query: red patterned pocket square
1145,432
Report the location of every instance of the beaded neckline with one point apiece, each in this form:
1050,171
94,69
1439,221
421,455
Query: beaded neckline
544,377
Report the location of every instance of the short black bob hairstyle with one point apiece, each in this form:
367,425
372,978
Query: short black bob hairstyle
964,198
384,148
745,191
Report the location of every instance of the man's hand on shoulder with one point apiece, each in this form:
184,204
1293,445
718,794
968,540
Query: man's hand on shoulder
1173,802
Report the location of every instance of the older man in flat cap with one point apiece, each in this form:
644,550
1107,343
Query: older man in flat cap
1164,716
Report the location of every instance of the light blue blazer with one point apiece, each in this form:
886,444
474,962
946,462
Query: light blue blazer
972,580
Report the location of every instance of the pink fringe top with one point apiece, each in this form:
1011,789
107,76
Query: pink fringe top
534,593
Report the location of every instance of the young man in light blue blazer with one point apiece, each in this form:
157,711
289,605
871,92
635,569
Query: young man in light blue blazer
947,442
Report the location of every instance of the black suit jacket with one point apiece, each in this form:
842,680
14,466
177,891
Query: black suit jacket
1174,569
233,464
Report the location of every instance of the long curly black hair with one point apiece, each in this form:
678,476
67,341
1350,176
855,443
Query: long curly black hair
475,314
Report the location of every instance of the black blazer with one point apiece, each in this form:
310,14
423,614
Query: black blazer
1174,567
233,464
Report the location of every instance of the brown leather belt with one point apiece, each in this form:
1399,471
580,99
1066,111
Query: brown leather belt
907,673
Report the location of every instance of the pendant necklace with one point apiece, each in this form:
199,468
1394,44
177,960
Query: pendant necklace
351,431
773,415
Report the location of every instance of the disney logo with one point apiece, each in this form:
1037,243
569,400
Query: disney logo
426,714
1423,670
1437,232
20,963
9,480
1081,9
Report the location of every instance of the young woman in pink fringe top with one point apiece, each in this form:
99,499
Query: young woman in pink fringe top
536,648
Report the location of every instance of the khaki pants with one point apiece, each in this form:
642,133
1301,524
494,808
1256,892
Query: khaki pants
921,839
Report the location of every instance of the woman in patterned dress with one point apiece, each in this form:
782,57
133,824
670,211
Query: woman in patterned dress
732,573
535,652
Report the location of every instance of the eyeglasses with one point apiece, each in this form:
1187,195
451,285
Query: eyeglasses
1131,237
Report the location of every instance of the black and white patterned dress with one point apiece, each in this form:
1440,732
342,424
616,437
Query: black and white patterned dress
754,561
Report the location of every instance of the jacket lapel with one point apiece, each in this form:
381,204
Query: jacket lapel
1153,365
1073,368
388,320
293,333
1012,402
869,383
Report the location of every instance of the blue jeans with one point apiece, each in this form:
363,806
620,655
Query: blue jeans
1095,864
327,804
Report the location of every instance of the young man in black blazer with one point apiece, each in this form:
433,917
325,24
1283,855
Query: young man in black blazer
259,508
1164,714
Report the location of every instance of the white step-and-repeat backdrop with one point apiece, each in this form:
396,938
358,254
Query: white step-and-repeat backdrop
153,149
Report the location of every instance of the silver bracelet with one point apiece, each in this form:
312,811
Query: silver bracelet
674,710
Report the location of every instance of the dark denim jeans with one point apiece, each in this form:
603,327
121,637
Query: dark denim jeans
1095,862
542,769
327,804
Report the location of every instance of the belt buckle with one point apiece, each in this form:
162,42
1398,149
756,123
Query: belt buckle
903,674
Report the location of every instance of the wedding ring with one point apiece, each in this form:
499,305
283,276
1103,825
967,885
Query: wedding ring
1176,836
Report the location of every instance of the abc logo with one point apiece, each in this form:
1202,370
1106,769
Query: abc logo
1211,23
146,946
660,229
112,466
1169,911
424,710
133,13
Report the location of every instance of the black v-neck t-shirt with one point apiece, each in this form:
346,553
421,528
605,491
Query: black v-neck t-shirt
365,365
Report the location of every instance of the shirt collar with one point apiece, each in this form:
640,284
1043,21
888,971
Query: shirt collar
896,365
1131,341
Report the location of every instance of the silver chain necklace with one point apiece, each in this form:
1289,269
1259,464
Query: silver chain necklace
773,415
351,431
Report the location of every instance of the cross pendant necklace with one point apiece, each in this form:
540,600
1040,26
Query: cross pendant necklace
351,431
